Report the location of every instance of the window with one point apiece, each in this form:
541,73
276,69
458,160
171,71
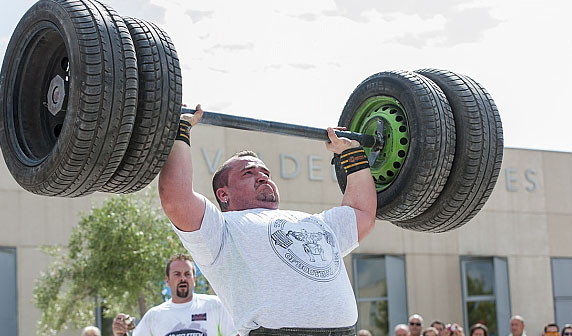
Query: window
485,293
562,288
379,284
9,306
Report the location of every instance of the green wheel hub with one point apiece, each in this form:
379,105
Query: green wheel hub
395,135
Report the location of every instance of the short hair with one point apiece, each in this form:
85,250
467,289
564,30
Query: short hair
416,316
401,327
552,324
566,326
364,332
479,326
220,177
431,329
91,330
437,322
517,317
183,257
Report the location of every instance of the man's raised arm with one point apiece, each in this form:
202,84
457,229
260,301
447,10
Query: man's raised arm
360,191
184,207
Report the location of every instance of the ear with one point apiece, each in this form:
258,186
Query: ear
222,194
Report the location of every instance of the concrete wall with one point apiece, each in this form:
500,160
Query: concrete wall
528,219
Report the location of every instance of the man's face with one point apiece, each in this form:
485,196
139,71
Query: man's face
516,327
551,331
415,326
401,332
249,186
439,327
181,281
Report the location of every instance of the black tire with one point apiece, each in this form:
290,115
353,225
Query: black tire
431,144
76,150
478,154
158,110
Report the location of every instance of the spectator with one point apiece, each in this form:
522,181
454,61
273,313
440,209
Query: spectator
186,313
91,331
517,326
566,330
364,332
453,329
430,331
438,325
401,330
551,329
479,329
415,325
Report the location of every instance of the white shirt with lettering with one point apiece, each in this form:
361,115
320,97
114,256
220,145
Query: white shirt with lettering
278,268
204,315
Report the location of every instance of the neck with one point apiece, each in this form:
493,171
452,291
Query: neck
177,299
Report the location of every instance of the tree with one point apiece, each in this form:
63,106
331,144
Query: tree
116,252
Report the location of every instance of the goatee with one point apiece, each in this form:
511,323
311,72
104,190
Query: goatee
182,293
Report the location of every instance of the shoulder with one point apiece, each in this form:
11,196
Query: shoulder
208,300
343,212
158,308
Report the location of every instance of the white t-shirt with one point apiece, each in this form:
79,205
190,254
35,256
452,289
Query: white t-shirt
204,315
277,268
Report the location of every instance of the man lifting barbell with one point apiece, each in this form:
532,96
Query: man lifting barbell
267,280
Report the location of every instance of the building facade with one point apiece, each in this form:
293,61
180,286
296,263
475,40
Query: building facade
514,257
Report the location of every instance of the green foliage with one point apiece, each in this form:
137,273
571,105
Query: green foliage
118,252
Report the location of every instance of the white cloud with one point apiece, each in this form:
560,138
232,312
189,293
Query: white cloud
297,61
144,9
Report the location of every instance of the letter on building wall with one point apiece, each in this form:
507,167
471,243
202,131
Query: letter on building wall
285,175
214,164
313,167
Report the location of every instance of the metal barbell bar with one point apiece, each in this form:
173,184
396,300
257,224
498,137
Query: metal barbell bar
251,124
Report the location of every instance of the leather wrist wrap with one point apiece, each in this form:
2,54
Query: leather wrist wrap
184,132
353,160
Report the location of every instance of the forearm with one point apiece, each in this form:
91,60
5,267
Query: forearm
360,194
177,172
181,204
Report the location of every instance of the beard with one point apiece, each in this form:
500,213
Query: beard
182,292
267,194
266,197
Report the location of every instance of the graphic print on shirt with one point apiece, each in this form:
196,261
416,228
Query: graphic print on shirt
306,245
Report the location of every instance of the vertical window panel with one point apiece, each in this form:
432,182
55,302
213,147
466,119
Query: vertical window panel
371,277
485,292
380,296
562,289
8,290
480,278
484,312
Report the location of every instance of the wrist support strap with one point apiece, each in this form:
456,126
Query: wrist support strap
184,132
353,160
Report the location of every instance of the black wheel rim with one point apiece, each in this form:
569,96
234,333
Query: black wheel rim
41,85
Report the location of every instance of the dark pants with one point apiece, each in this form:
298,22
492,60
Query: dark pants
346,331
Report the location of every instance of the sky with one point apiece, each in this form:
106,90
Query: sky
297,61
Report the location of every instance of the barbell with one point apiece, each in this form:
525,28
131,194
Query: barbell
374,142
92,107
